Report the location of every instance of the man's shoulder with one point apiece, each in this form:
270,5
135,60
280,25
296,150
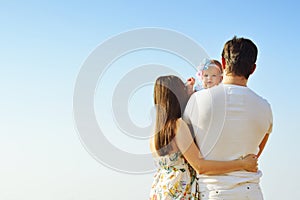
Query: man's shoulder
259,98
205,92
204,99
246,93
199,96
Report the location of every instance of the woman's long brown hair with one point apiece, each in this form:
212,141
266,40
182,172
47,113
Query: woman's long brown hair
170,98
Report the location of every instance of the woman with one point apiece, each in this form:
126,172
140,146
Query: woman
174,149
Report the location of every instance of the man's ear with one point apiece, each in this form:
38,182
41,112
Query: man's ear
253,69
223,63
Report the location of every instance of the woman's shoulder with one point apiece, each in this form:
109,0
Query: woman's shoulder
181,124
180,121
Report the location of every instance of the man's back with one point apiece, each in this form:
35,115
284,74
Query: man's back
229,122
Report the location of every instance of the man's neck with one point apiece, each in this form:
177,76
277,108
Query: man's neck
235,80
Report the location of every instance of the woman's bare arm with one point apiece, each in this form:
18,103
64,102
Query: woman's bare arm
190,151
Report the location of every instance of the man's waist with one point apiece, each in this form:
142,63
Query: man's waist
228,180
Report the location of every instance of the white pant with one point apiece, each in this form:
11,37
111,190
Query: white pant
247,191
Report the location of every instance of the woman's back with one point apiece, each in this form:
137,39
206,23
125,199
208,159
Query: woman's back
175,178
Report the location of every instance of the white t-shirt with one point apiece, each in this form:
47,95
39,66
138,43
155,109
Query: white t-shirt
229,121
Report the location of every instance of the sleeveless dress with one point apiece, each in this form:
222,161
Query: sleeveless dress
174,179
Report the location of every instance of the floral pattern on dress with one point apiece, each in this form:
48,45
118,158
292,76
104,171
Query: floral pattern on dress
174,179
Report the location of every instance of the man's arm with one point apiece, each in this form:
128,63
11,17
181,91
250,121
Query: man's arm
266,137
263,144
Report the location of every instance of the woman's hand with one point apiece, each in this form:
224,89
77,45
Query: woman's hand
250,163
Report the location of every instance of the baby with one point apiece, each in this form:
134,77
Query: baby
209,74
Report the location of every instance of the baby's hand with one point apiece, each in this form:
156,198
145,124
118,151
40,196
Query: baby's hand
190,85
190,81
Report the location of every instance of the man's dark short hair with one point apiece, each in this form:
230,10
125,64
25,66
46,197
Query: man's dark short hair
240,55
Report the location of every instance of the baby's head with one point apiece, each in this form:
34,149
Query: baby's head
210,72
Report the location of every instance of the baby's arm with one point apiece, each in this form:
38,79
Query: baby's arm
190,86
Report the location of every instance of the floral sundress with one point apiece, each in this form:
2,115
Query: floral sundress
174,179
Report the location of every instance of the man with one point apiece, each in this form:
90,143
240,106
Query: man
230,121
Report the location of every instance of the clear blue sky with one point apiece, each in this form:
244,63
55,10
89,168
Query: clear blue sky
43,46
